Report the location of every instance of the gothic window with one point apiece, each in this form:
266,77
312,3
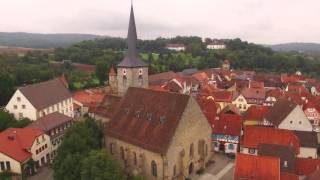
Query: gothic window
122,152
140,72
191,153
140,80
154,169
124,81
134,158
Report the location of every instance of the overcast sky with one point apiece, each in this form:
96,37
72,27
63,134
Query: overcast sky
260,21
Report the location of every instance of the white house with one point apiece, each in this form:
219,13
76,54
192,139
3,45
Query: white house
176,47
286,114
216,45
19,145
37,100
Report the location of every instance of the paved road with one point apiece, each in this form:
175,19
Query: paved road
44,173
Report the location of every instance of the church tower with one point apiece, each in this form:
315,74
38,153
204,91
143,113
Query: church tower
132,71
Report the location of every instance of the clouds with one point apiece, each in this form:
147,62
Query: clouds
260,21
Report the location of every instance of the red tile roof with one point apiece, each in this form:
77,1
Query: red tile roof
147,118
256,84
289,176
17,142
50,121
256,113
88,97
254,135
227,124
281,109
256,167
253,93
222,96
201,76
306,166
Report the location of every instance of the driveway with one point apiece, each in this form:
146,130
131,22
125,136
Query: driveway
45,173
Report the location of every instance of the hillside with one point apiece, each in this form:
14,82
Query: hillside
35,40
312,48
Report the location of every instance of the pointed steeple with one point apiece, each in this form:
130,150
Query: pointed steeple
132,58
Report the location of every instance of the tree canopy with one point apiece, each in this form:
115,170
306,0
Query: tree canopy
7,120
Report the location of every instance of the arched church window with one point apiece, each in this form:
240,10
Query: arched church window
124,81
140,80
154,168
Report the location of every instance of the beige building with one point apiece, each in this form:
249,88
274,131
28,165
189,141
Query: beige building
159,135
241,103
37,100
19,145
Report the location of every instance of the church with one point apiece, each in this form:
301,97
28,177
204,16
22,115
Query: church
154,134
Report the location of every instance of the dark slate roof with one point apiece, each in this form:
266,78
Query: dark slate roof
280,111
285,153
132,58
44,94
307,139
147,118
50,121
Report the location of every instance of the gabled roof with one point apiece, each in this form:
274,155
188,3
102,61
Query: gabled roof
256,113
227,124
222,96
255,135
147,118
50,121
256,167
285,153
281,109
161,78
254,93
132,58
306,166
16,142
44,94
108,106
307,139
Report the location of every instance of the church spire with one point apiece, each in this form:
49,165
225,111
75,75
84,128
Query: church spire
132,58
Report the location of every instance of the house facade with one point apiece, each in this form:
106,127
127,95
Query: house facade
19,145
37,100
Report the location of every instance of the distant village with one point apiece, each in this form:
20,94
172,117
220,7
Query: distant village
173,125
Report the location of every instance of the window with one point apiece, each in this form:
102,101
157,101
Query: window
300,122
111,148
2,166
122,153
191,152
252,151
20,115
38,142
37,151
285,163
18,99
23,106
140,81
8,165
154,169
52,108
124,81
15,107
134,158
291,122
231,146
174,170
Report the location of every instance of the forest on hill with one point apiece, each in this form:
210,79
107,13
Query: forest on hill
107,52
36,40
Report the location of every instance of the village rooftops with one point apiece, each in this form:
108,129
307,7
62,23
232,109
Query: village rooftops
254,136
44,94
17,142
147,118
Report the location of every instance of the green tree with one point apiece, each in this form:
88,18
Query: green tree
100,166
6,88
102,69
7,120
